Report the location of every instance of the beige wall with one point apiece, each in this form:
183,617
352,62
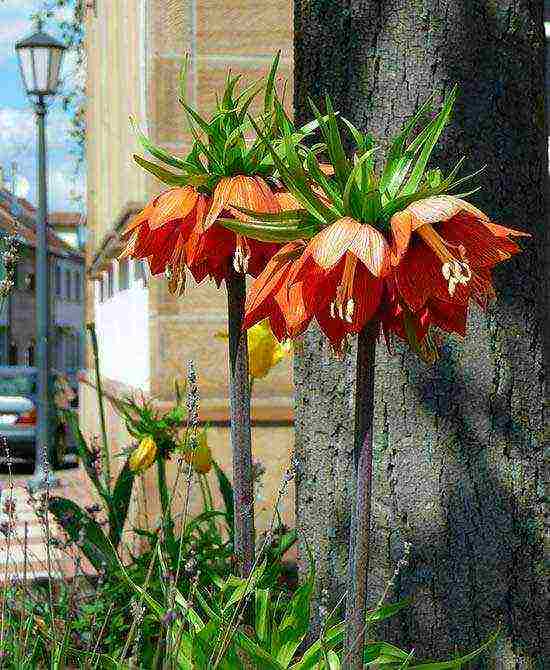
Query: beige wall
135,50
272,446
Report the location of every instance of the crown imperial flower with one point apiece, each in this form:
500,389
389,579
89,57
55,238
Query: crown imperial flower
144,455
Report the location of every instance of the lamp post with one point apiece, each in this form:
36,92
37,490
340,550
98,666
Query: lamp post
40,57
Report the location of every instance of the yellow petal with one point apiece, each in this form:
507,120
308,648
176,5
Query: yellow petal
200,457
264,350
143,455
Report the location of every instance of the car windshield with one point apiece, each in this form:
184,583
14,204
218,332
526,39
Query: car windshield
18,385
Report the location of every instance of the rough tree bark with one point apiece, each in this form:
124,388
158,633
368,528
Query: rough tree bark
458,446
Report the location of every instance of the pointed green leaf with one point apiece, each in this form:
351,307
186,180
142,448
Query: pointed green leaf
262,616
353,176
159,172
120,503
420,165
226,491
85,532
397,162
458,662
84,453
270,233
270,85
155,151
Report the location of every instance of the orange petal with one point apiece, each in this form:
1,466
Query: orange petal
251,193
287,201
328,246
502,231
326,168
438,208
173,204
139,219
401,226
220,199
370,247
269,280
194,241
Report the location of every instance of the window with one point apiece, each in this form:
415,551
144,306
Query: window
59,349
29,356
68,285
13,354
77,290
3,345
30,282
140,271
101,287
123,275
58,289
110,282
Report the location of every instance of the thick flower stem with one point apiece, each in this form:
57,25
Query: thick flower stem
359,549
239,393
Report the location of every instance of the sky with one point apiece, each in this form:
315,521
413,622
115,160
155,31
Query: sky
17,123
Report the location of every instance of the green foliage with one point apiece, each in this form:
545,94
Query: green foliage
116,501
222,144
356,189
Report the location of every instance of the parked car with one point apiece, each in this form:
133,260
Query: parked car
18,415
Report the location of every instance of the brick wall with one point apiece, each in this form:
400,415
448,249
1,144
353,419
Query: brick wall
134,61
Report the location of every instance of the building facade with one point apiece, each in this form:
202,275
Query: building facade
18,316
146,336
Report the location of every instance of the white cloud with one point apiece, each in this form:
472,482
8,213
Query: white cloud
18,131
11,31
17,5
64,186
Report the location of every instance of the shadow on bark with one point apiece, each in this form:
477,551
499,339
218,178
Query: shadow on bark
485,563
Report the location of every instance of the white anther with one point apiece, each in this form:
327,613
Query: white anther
456,272
332,310
350,307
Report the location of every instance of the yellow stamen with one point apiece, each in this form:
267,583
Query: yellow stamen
343,303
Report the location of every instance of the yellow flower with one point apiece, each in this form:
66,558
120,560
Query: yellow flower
144,455
264,350
200,457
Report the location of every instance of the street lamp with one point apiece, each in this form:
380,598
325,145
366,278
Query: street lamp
40,57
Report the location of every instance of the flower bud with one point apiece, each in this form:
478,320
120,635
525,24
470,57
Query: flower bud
143,455
264,350
200,457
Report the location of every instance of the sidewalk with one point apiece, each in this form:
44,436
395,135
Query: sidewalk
23,545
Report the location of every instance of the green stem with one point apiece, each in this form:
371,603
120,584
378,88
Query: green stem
167,522
104,442
205,501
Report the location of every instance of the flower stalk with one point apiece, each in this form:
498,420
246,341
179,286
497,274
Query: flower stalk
359,543
165,503
239,395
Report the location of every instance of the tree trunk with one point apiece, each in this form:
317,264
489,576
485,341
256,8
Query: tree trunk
458,446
